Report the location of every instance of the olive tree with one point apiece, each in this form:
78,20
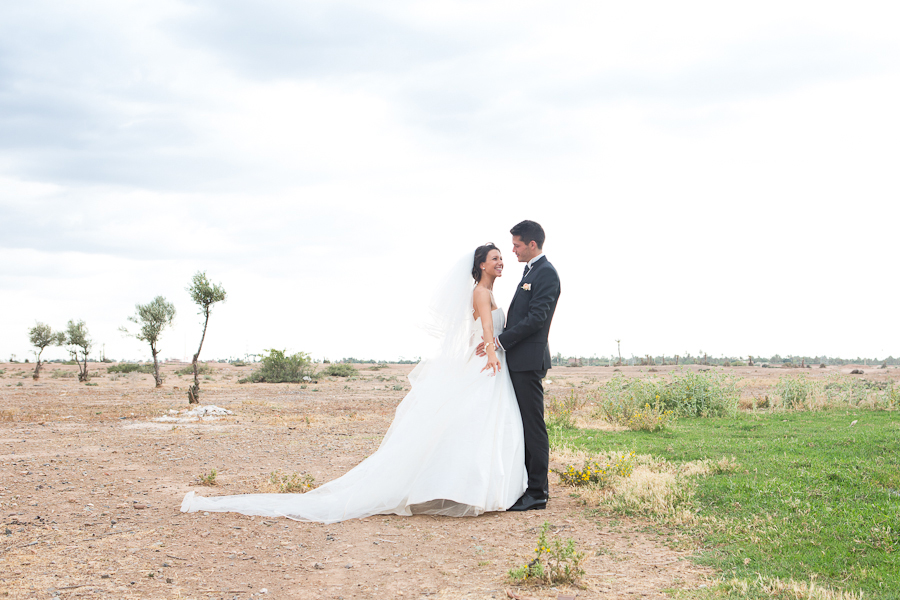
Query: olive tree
152,318
79,344
205,295
42,336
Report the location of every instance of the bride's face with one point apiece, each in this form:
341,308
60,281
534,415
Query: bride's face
493,265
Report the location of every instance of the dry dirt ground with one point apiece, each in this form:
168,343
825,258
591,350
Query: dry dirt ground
91,484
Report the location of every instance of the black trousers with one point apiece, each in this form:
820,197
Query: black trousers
530,396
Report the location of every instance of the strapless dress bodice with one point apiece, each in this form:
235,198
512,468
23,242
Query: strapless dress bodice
499,319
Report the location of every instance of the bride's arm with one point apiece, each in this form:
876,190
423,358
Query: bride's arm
482,301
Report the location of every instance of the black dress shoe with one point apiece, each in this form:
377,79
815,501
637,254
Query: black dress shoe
528,502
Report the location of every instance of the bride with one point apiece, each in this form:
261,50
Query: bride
455,447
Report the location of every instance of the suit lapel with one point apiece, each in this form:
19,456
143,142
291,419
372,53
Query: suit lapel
529,274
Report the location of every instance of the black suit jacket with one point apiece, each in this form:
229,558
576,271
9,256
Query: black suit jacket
528,323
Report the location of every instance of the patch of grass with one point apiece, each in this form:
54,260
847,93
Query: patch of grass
766,588
805,496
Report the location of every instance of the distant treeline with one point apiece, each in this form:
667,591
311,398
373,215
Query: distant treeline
722,361
594,361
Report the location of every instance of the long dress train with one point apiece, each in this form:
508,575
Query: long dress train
455,448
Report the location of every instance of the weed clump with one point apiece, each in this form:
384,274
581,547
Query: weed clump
554,562
621,465
208,479
290,483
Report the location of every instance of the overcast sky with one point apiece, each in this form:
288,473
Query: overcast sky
712,176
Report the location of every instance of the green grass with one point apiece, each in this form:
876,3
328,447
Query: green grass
816,497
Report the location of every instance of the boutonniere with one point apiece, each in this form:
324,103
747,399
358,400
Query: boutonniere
526,287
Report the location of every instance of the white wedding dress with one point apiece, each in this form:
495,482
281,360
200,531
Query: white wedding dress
455,448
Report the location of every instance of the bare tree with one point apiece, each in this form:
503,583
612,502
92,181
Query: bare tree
619,346
204,294
78,342
42,336
152,319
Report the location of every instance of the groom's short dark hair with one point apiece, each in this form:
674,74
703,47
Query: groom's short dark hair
528,231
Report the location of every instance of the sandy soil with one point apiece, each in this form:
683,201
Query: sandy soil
90,487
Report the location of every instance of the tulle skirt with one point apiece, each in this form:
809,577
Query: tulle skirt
455,448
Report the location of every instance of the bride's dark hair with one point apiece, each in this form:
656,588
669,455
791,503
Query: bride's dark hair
481,254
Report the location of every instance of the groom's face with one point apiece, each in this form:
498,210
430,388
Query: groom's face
524,252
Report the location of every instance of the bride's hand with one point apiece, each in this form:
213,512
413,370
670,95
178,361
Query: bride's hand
493,363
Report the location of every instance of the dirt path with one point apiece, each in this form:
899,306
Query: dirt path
90,487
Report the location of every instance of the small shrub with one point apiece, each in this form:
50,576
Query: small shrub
796,392
202,369
339,370
130,368
889,399
840,389
651,418
707,394
278,367
688,394
559,412
293,483
563,562
208,479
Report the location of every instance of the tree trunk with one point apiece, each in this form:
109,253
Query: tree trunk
37,367
194,390
82,370
156,365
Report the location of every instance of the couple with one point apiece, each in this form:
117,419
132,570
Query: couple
470,435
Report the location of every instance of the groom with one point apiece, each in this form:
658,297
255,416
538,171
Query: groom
528,355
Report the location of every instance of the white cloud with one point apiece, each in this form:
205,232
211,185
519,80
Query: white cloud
710,176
